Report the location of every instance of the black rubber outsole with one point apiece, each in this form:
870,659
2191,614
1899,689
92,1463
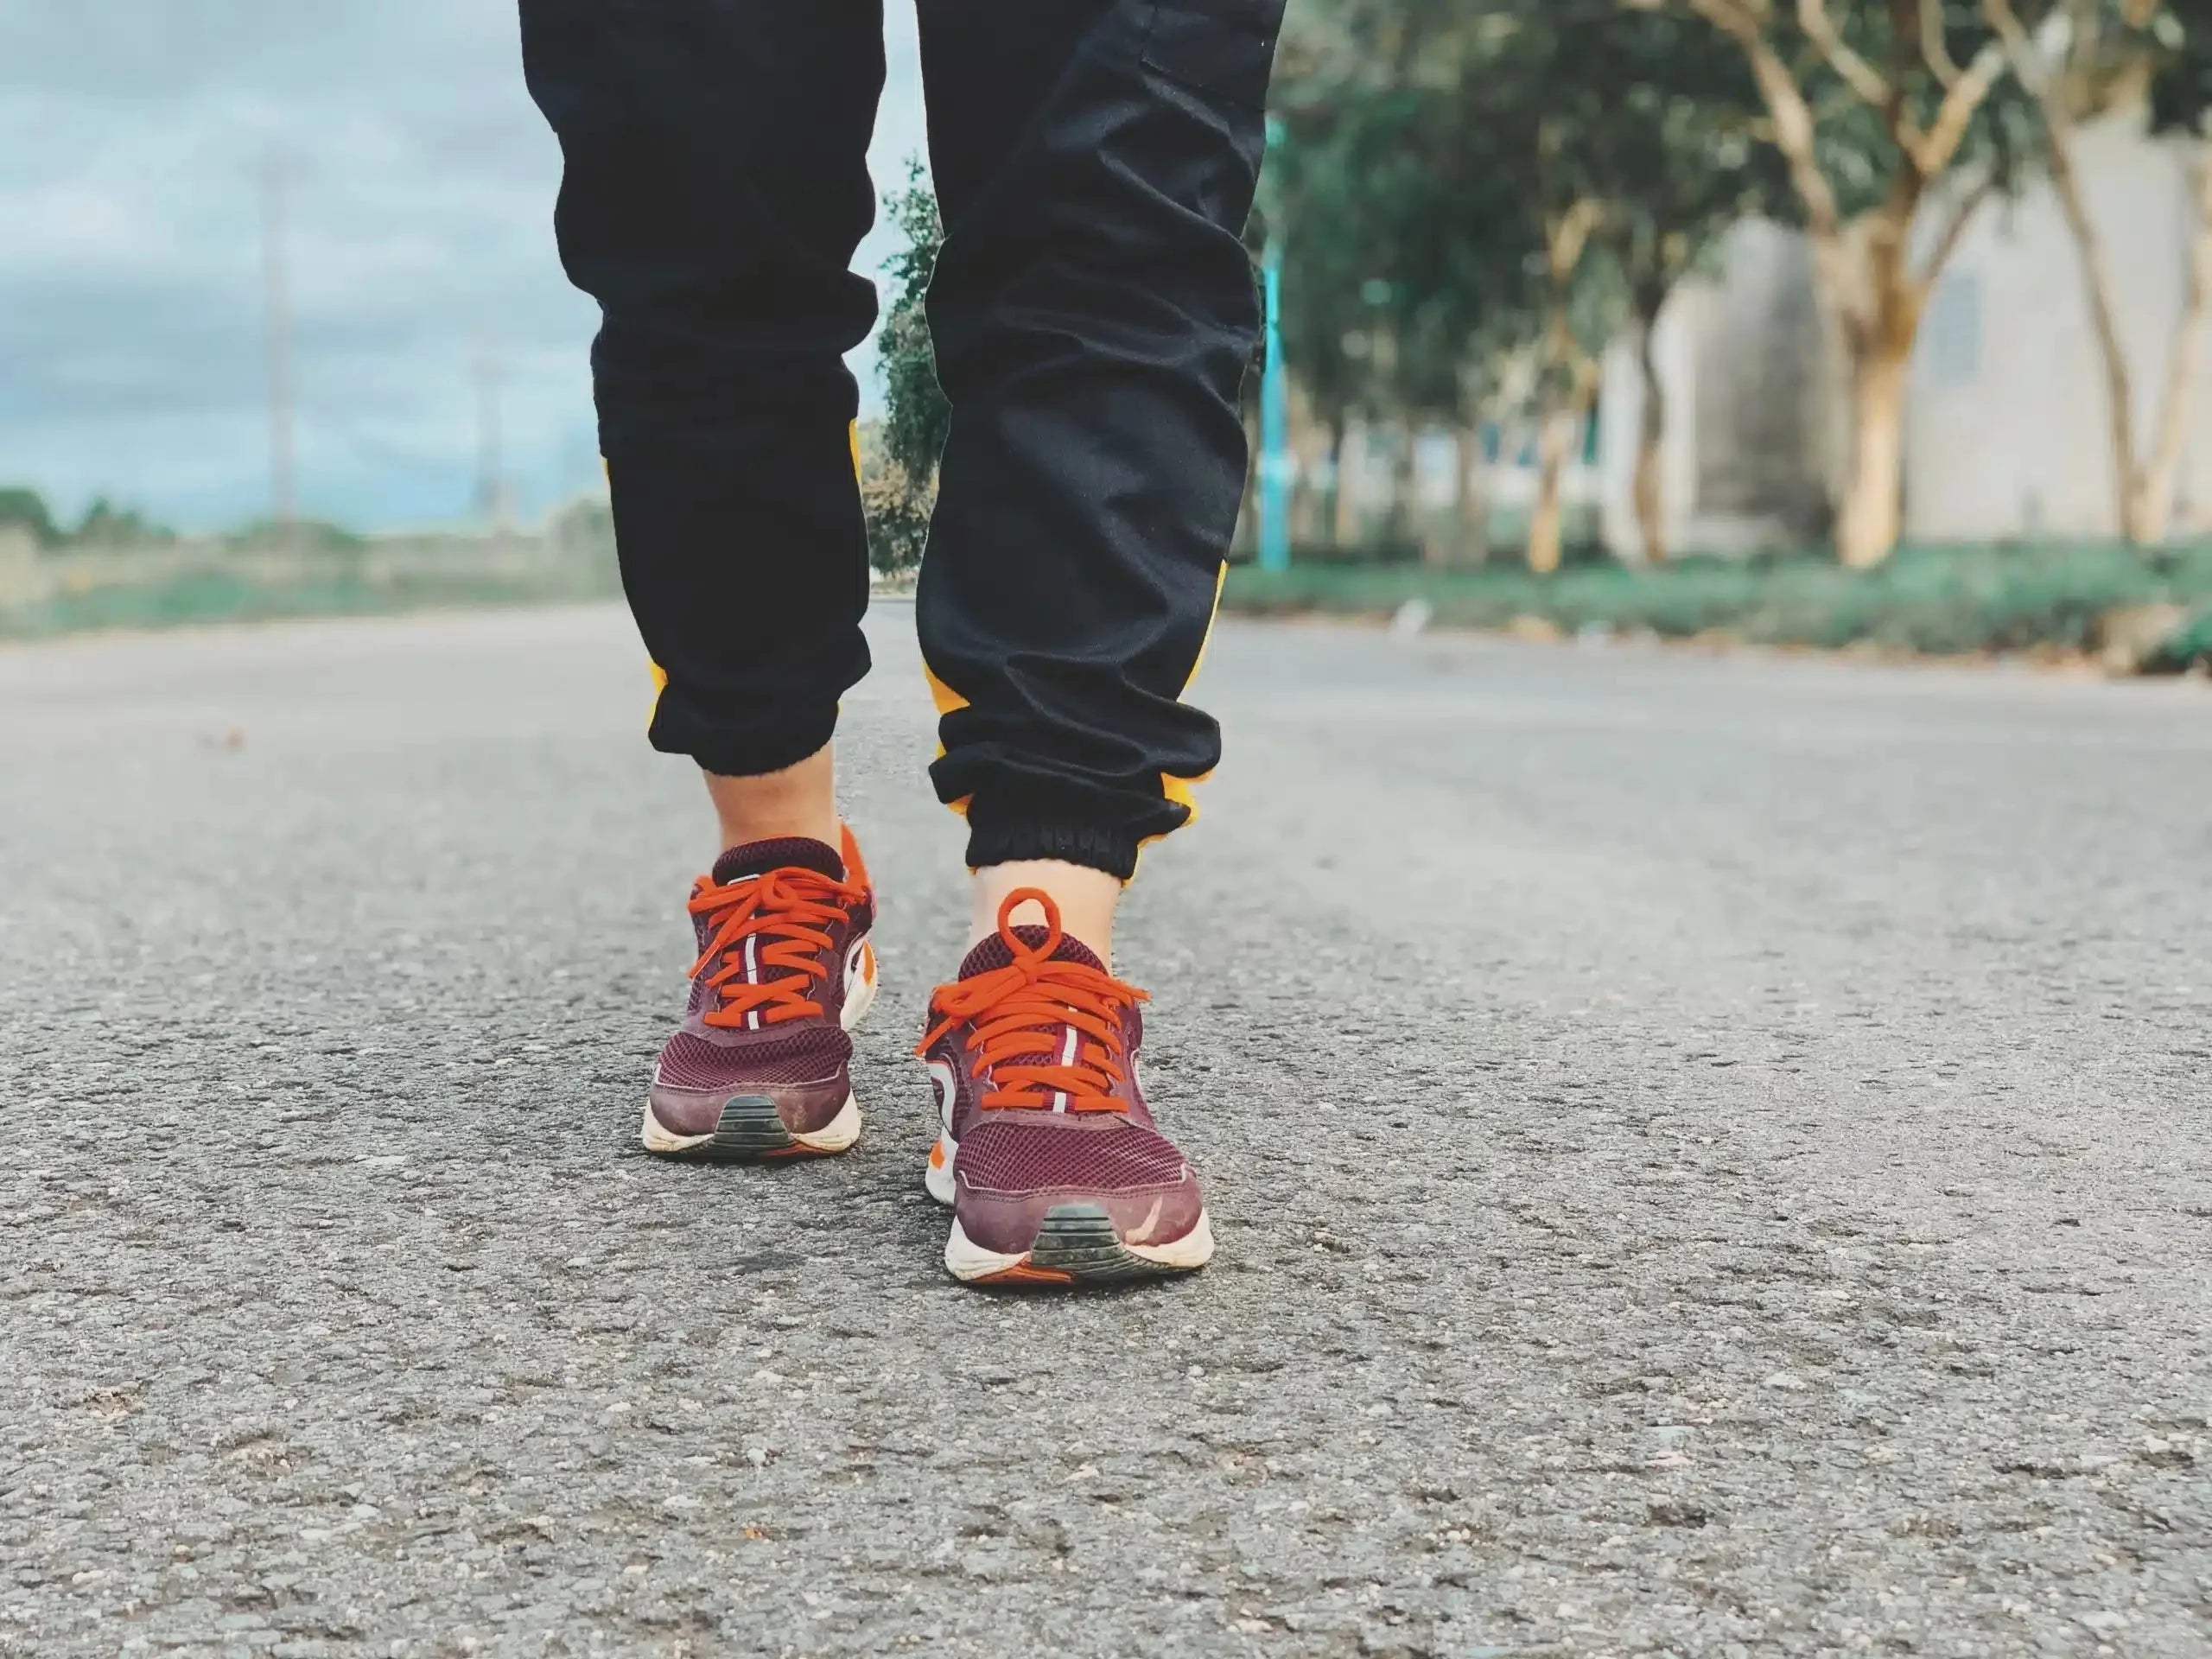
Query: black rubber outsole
751,1127
1079,1241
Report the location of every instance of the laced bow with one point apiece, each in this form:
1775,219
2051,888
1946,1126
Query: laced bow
1049,1034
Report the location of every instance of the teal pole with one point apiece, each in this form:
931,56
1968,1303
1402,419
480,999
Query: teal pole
1275,464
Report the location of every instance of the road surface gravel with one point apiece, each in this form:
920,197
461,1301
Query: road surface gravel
1713,1156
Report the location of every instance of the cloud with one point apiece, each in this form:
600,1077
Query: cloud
419,188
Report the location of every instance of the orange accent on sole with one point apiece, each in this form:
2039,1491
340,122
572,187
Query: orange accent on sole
937,1156
1022,1274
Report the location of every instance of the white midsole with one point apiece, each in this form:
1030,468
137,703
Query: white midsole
964,1260
937,1174
839,1133
862,997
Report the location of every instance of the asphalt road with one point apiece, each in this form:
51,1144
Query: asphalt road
1713,1156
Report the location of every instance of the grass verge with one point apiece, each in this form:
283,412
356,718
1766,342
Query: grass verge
209,595
1942,601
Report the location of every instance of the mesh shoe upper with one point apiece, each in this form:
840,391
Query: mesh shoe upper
1050,1140
811,1054
757,926
1005,1152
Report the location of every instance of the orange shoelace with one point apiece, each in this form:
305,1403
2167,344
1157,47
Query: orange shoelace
1049,1033
777,920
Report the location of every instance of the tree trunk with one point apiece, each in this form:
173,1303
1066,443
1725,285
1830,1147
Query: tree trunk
1345,532
1877,342
1309,442
1405,509
1469,512
2151,505
1650,488
1547,521
1247,536
1869,514
2097,287
1555,444
1878,299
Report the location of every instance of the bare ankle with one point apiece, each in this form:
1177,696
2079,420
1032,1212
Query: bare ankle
1087,899
799,801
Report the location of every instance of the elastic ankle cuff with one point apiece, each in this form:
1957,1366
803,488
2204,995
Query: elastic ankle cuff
741,754
1019,839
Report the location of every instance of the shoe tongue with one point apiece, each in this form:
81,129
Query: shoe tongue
994,952
785,853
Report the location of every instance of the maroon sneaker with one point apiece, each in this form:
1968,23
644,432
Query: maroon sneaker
1045,1150
761,1066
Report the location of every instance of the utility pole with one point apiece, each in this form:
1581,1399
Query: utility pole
491,482
277,323
1276,465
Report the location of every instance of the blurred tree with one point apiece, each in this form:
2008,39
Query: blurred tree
1880,110
1672,129
105,525
2080,59
899,486
299,535
1434,243
26,509
897,508
1478,199
2181,109
1341,194
915,411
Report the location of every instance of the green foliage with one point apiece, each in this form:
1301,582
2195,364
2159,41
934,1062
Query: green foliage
1939,601
26,509
1919,70
205,583
2191,647
301,536
1356,205
916,415
898,459
1462,187
2181,86
103,525
897,507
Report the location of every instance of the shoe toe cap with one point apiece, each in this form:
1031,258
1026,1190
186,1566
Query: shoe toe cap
1009,1176
804,1108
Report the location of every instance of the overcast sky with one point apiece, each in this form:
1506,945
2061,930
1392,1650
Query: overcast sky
132,139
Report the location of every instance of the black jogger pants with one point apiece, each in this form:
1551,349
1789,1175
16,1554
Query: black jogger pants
1094,315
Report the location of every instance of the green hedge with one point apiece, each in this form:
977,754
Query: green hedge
1939,601
216,595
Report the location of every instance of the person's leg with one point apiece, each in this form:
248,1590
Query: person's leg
716,186
1094,317
1087,898
800,800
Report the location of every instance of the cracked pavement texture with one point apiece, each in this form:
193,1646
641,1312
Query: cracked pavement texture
1710,1154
